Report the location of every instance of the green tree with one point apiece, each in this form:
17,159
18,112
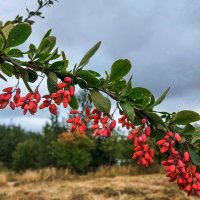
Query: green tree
74,152
26,155
10,137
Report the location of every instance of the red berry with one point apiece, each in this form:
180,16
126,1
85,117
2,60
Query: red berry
67,79
177,137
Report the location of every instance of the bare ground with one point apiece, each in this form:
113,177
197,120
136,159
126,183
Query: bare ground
143,187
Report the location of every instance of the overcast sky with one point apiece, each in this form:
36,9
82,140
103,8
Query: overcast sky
161,38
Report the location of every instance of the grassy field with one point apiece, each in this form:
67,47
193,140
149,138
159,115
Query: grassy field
142,187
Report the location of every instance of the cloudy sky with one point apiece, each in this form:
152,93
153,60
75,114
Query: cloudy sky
161,38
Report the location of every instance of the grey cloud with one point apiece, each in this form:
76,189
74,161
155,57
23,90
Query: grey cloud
161,38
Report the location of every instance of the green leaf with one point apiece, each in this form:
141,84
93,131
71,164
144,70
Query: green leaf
47,34
32,48
24,74
64,56
1,25
128,89
194,157
51,86
88,77
156,119
161,98
89,54
1,42
6,30
52,55
28,87
32,75
94,73
146,102
102,103
7,69
46,46
19,34
16,62
32,51
58,66
82,84
128,110
15,53
189,129
73,103
53,77
185,117
138,94
120,68
2,77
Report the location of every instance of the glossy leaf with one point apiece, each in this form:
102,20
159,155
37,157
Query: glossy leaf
1,42
52,77
194,157
128,89
128,110
6,30
32,75
102,103
161,98
7,69
2,77
47,34
82,84
88,77
120,68
89,54
52,55
185,117
73,103
94,73
18,34
15,53
28,86
46,46
24,74
58,66
156,119
51,86
189,129
138,95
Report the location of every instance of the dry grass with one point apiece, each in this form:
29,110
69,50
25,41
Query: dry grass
115,183
47,174
3,179
143,187
113,171
52,174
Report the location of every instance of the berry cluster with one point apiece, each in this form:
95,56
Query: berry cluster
62,96
28,102
102,124
5,98
178,169
124,121
178,166
76,122
143,152
168,142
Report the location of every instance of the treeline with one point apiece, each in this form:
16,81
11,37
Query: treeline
55,147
